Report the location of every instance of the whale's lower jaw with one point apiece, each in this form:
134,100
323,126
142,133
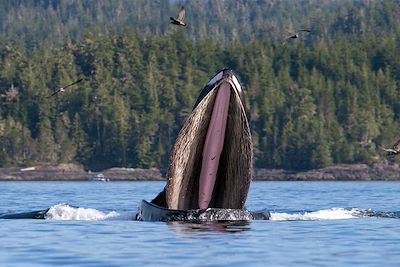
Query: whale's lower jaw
232,173
39,214
150,212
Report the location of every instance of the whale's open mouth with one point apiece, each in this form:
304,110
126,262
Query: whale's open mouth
211,162
213,145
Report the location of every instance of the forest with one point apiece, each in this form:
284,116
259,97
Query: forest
330,96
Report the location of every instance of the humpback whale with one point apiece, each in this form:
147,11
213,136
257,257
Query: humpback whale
210,166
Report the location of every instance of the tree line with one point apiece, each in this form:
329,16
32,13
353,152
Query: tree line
48,24
330,97
310,105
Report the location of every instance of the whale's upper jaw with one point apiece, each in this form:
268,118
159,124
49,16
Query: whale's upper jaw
223,75
233,174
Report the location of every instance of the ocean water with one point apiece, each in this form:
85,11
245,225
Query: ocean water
312,224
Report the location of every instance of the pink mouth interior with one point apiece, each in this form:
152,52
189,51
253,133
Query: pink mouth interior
213,145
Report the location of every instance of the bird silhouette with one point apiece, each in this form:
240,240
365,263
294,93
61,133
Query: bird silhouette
394,150
296,35
179,20
62,89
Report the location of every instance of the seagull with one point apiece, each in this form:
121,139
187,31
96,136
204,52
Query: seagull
296,35
62,89
179,20
394,150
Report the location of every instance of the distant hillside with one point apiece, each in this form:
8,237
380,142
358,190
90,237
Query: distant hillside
49,23
329,98
309,106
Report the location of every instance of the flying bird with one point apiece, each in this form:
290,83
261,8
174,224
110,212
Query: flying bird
296,35
394,150
179,20
62,89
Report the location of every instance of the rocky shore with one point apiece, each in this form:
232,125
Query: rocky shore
343,172
72,172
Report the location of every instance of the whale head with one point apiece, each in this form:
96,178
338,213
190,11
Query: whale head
211,162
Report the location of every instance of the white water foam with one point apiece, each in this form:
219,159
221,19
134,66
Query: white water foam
67,212
328,214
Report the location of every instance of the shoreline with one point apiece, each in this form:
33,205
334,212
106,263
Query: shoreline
72,172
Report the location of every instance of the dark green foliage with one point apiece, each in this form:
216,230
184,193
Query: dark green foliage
330,98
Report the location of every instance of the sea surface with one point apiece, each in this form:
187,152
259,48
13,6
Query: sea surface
312,224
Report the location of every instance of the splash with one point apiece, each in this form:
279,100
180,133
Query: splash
67,212
327,214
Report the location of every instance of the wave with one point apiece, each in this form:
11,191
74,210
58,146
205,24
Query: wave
332,214
327,214
67,212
